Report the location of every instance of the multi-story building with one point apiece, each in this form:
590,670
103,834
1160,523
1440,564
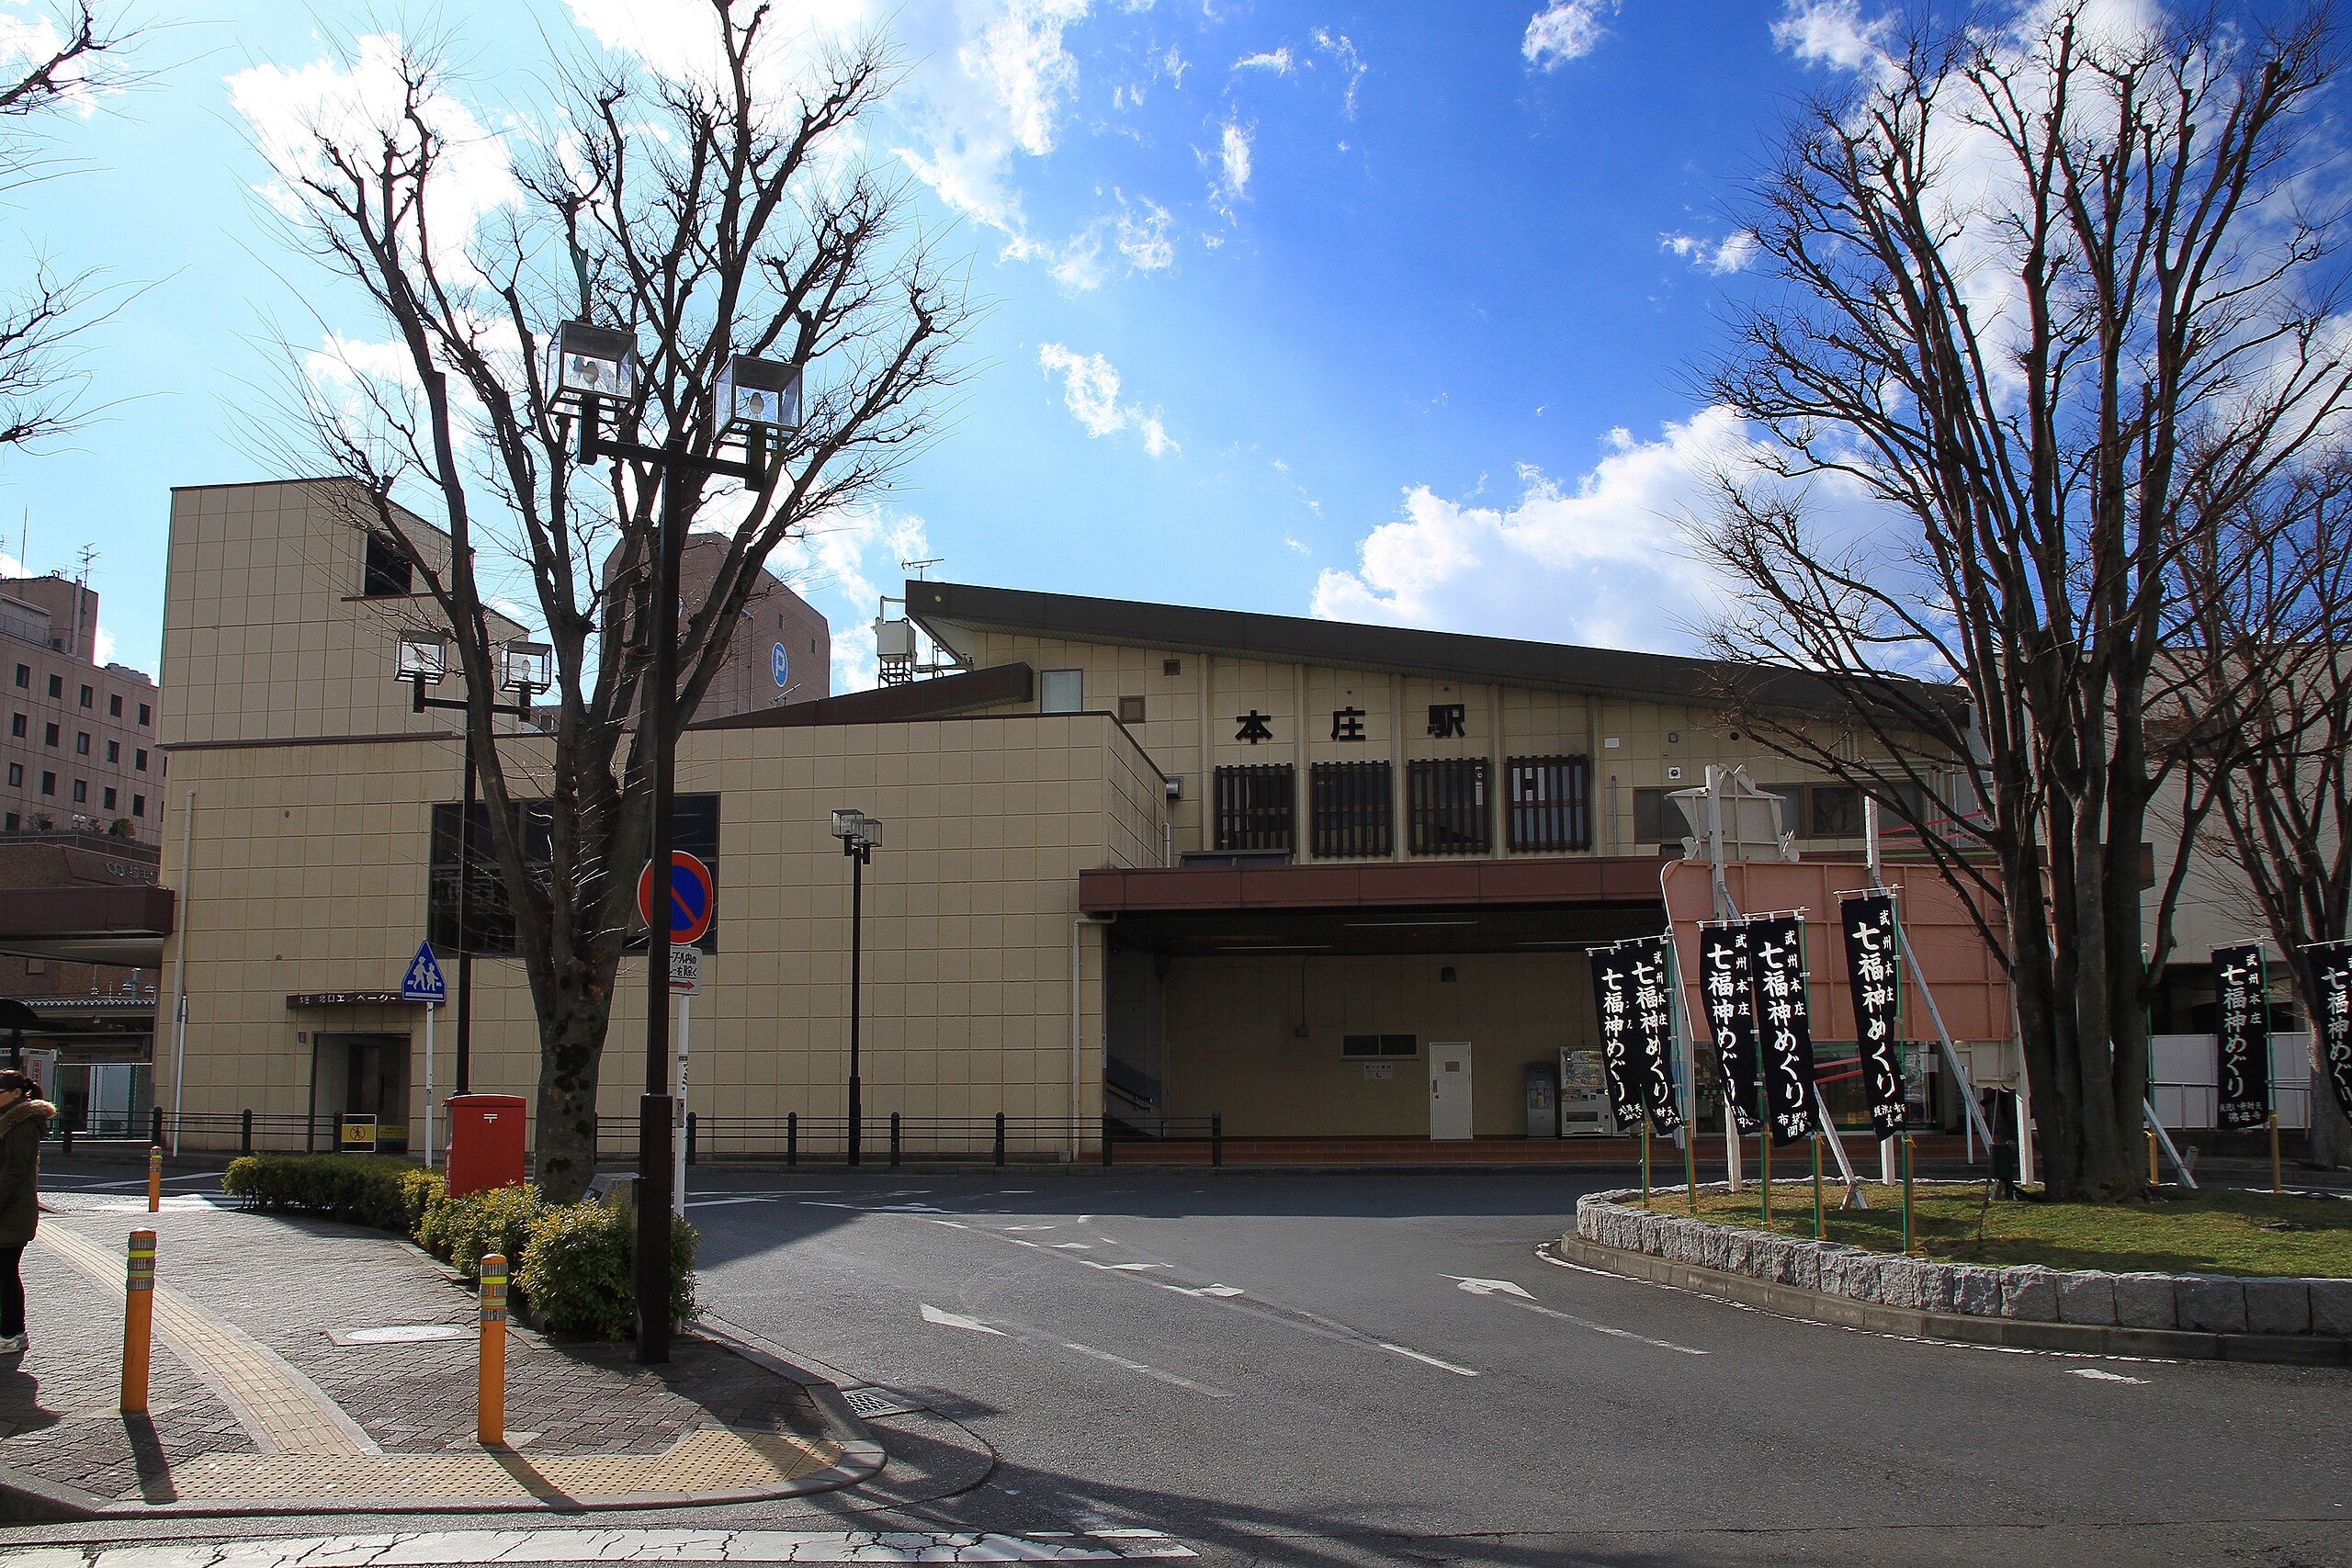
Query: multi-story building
79,749
1141,863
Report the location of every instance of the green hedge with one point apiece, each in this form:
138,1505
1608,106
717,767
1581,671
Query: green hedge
361,1189
575,1271
460,1231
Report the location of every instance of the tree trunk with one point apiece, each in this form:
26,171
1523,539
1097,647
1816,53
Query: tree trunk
571,1046
2330,1132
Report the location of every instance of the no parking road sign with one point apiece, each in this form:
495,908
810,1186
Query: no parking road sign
694,898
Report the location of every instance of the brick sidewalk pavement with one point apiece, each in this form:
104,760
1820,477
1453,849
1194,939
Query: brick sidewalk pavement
263,1398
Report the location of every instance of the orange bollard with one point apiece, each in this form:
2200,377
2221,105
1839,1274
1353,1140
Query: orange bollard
138,1320
490,1384
155,1181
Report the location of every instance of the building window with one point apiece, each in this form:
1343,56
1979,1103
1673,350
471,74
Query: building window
114,751
88,696
15,775
387,573
144,712
114,705
1130,710
1172,667
48,784
48,735
17,727
490,914
1657,819
1254,808
1550,801
139,806
1380,1045
13,821
1351,813
56,687
106,800
81,792
139,758
1446,807
1061,691
82,743
1833,811
25,676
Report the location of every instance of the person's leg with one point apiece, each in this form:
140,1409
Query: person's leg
12,1291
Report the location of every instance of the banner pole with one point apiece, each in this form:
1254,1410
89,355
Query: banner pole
1691,1162
1909,1156
1820,1221
1764,1144
2276,1187
1646,1161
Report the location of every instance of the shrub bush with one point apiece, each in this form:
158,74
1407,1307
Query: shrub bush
362,1189
460,1230
575,1271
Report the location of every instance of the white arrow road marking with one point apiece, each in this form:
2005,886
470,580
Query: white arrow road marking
1072,1245
723,1202
1122,1268
1203,1290
2099,1375
957,1320
1148,1371
1504,1290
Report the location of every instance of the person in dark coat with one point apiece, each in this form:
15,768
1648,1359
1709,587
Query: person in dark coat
24,1117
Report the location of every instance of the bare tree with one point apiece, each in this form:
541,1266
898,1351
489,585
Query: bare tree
712,215
2273,593
2048,308
39,391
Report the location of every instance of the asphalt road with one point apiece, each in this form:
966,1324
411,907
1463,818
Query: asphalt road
1381,1369
1342,1368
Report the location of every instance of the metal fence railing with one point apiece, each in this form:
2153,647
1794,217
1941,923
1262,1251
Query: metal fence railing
898,1138
215,1132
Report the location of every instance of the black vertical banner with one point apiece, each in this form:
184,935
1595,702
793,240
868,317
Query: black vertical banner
2333,964
1873,972
2243,1032
1613,996
1724,987
1785,1025
1652,998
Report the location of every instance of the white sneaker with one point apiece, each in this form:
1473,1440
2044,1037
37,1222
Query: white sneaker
13,1345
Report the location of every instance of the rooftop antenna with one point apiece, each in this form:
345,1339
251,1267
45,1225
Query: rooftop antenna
89,559
920,567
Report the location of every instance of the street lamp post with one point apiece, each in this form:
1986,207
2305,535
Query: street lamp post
523,670
754,401
858,833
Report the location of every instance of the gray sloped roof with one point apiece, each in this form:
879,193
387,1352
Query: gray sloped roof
943,607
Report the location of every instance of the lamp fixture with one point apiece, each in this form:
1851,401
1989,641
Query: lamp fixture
588,363
423,657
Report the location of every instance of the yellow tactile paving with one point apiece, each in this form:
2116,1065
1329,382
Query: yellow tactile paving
713,1459
289,1414
316,1458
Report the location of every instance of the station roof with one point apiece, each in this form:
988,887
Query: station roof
952,612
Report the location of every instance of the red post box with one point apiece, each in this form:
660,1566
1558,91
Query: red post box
486,1141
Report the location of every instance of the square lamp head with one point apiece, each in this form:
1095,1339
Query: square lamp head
425,655
762,395
528,668
856,828
587,363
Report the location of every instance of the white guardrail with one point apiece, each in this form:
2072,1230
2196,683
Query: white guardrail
2185,1082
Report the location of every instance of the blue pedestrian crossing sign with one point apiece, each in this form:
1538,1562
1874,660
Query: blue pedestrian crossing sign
423,982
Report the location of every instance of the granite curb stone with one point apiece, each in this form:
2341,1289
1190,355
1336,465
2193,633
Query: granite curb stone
2193,1306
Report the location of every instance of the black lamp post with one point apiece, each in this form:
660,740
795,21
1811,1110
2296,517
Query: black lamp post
858,833
754,401
524,669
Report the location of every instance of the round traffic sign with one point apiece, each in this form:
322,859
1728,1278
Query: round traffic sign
694,897
779,664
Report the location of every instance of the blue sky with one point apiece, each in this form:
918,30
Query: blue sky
1386,312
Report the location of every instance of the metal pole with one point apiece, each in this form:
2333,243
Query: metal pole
464,897
429,1011
654,1110
857,961
678,1158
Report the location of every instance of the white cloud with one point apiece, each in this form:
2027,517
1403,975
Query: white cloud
1278,60
841,563
1012,83
1833,33
1342,52
28,39
1233,163
1090,391
1601,563
291,108
1565,30
1735,251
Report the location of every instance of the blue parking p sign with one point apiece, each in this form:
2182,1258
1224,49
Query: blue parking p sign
423,982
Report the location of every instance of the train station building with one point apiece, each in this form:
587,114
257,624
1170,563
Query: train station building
1141,863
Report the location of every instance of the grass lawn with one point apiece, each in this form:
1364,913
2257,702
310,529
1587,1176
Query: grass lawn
2196,1233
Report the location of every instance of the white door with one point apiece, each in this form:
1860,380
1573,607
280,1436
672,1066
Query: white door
1449,1091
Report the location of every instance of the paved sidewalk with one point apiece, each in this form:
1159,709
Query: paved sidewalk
275,1389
